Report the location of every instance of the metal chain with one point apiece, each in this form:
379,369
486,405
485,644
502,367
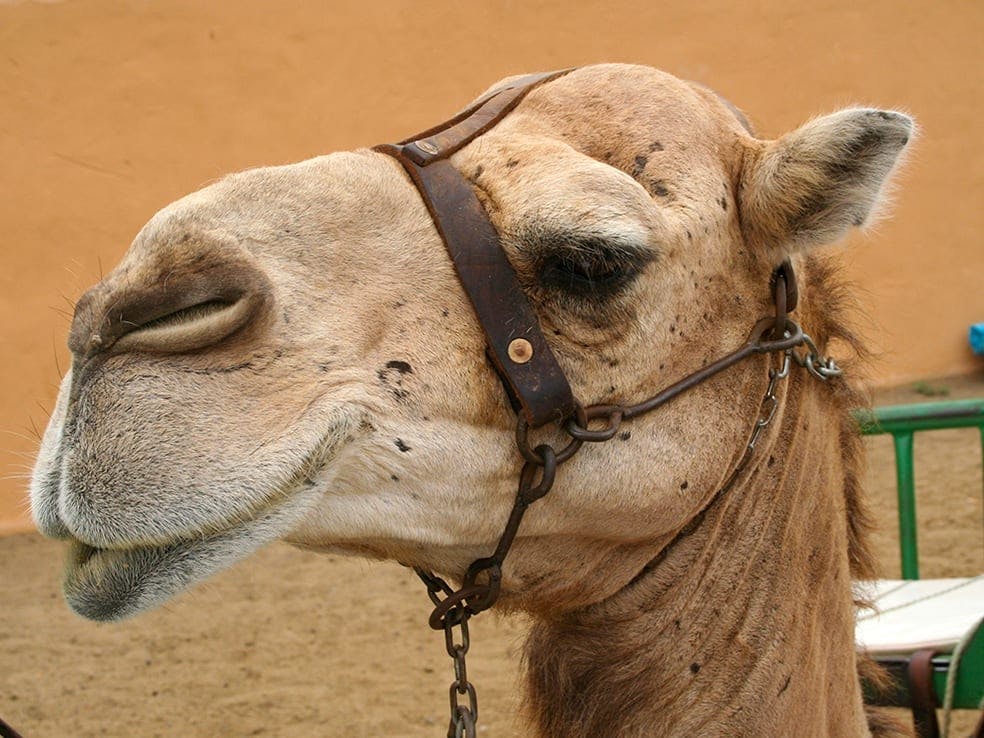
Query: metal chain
770,403
464,717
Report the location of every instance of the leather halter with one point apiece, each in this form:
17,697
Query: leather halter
516,345
535,382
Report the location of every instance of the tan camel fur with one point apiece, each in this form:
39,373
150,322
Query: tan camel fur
287,354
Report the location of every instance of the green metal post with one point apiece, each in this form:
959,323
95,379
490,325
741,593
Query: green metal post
906,482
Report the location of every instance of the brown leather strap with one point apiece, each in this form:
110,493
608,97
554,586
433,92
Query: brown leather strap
517,347
922,696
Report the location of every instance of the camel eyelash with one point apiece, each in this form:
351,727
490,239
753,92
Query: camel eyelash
590,268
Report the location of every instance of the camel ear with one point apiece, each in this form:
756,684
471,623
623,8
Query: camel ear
810,186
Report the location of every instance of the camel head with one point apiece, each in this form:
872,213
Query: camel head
287,353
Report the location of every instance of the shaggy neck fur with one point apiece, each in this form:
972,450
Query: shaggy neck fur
744,626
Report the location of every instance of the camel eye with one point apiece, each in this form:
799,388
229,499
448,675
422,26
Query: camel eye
591,272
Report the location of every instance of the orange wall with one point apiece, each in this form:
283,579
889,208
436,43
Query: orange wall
109,110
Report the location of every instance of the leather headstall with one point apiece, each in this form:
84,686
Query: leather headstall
515,343
533,379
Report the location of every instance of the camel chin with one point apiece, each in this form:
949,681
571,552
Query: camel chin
117,583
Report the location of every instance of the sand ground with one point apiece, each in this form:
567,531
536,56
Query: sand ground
293,644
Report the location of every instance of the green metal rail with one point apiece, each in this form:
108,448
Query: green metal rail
902,422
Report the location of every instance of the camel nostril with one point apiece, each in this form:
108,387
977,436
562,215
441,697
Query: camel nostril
187,328
183,303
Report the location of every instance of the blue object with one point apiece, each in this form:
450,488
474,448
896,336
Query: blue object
977,338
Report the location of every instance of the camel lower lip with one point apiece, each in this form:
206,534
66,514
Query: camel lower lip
109,584
115,583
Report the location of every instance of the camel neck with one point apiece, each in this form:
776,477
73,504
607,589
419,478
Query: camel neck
743,626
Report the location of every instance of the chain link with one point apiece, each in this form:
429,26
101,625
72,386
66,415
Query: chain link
821,367
464,717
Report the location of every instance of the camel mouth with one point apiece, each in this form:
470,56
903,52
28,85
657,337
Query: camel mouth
115,583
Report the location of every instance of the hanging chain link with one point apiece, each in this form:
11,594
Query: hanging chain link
464,717
821,367
770,403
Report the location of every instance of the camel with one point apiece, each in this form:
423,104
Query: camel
288,354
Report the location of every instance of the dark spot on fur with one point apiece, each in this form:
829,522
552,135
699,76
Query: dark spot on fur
661,366
684,484
771,461
672,328
391,377
613,362
478,171
286,318
444,312
640,165
723,202
655,146
398,304
401,445
401,366
658,188
611,389
324,366
690,236
394,478
785,685
625,435
694,668
858,220
512,163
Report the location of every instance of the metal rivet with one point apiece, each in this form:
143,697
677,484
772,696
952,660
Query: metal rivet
520,350
426,146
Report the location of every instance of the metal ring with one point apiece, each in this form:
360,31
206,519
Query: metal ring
793,336
530,454
493,567
453,609
578,428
